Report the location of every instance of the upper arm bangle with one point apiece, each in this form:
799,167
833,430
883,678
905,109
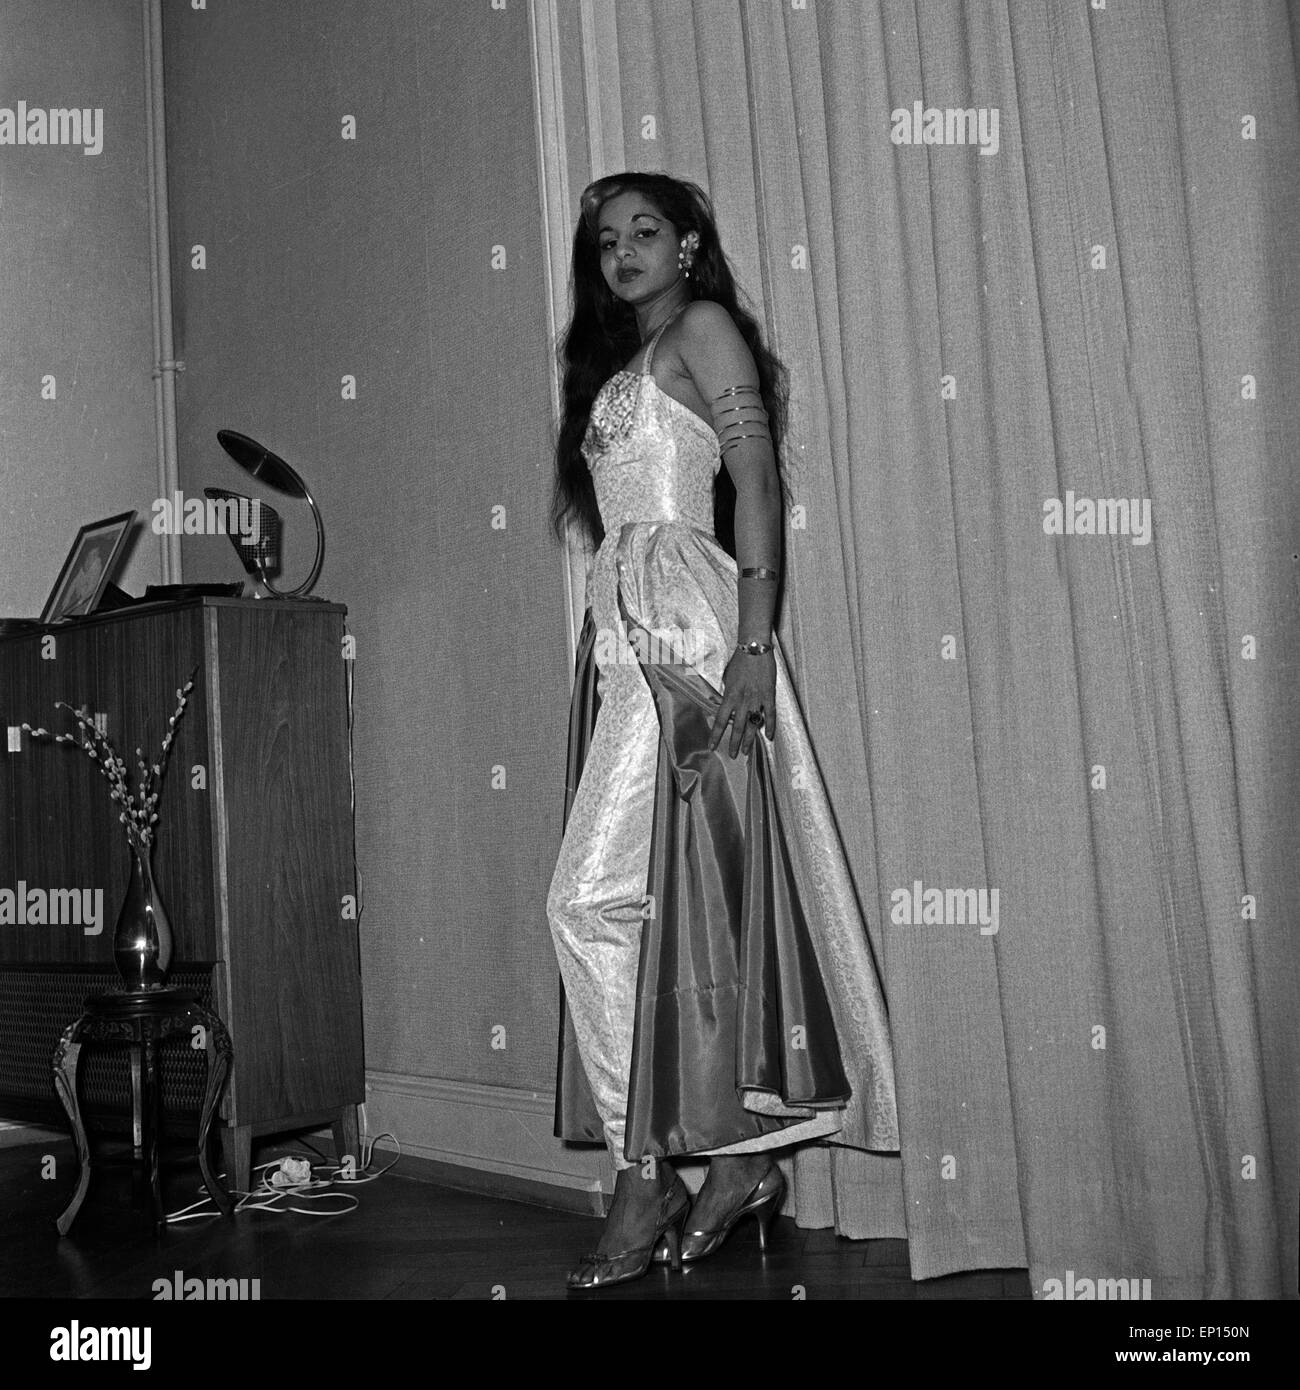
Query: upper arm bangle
759,572
745,403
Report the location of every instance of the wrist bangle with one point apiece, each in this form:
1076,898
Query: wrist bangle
754,648
759,572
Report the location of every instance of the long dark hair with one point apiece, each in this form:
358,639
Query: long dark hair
602,335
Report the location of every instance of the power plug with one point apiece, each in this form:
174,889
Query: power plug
292,1172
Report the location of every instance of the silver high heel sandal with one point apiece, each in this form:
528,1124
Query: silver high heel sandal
763,1203
597,1271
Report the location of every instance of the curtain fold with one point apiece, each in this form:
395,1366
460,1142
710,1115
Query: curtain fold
1102,728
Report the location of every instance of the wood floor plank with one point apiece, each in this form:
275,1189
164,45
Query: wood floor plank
408,1240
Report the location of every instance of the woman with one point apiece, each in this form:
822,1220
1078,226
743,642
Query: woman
700,890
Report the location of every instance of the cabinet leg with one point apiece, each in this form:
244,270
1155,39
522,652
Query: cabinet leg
237,1154
217,1048
65,1083
347,1137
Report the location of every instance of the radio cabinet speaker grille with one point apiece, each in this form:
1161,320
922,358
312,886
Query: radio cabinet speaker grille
37,1004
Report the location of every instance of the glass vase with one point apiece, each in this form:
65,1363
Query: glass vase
142,941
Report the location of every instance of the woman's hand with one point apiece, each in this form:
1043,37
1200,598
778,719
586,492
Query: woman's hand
748,683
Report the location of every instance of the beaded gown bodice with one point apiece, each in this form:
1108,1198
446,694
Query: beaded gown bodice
651,457
653,461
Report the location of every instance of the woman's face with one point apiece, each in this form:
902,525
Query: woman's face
638,248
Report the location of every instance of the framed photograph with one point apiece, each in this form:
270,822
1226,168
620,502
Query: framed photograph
88,568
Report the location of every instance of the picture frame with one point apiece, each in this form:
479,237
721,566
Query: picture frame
88,569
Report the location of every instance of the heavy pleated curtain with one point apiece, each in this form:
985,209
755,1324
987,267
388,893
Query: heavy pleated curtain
1104,727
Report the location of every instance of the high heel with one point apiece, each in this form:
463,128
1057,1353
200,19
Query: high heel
596,1271
763,1202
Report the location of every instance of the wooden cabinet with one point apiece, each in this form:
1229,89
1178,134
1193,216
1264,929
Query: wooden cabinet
254,852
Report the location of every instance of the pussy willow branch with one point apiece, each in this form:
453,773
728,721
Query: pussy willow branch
139,813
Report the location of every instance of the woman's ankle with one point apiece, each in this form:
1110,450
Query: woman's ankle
757,1163
641,1187
654,1172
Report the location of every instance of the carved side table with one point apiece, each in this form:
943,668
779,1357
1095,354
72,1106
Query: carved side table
141,1021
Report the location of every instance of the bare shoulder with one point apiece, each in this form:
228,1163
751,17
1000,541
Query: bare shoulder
713,350
706,323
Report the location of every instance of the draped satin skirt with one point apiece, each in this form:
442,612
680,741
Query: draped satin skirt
719,994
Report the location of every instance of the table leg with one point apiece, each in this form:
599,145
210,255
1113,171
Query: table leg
137,1103
65,1083
152,1128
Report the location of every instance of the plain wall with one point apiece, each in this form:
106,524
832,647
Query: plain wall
409,259
74,298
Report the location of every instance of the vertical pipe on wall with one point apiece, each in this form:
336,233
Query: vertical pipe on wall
165,366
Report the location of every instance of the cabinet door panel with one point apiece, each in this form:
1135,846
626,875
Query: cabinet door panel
294,968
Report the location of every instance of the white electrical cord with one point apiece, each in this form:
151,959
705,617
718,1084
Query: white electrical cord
297,1182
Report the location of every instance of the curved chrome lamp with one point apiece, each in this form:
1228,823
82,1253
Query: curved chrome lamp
260,463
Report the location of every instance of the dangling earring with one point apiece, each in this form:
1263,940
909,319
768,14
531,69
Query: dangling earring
686,255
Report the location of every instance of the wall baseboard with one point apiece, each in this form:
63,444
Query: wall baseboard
491,1139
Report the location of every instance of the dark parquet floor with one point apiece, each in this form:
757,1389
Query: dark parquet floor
409,1239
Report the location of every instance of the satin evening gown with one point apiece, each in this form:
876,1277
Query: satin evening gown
719,991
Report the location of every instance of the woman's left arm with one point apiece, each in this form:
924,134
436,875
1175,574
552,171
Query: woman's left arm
724,372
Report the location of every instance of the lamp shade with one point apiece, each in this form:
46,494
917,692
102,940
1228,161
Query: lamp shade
266,467
259,462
